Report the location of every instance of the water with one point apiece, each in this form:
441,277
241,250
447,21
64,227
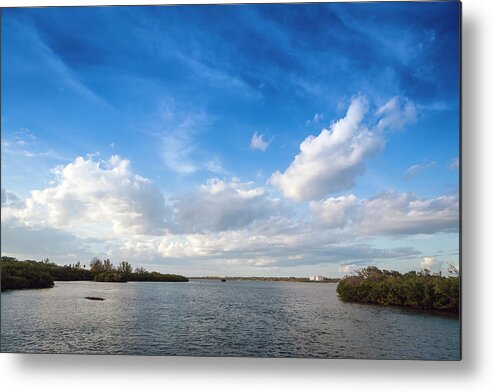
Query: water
212,318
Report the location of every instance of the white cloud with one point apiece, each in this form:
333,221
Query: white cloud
99,193
347,268
8,197
431,263
220,205
396,113
331,161
413,170
258,142
334,212
223,223
244,247
387,213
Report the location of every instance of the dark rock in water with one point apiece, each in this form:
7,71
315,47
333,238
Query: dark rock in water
95,298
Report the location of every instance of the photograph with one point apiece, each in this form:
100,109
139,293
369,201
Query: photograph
269,180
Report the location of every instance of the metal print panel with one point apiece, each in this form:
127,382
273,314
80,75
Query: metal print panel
268,180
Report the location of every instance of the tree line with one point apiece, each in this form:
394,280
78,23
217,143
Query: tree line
16,274
417,290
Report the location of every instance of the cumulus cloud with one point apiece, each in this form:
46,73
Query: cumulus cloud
334,212
331,161
105,193
221,223
347,268
396,113
8,197
413,170
259,143
244,247
431,263
220,205
387,213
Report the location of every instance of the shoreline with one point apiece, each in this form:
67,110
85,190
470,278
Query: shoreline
265,279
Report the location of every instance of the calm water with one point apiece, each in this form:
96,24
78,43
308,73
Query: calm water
211,318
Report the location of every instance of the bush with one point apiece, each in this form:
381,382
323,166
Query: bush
416,290
40,274
110,277
16,275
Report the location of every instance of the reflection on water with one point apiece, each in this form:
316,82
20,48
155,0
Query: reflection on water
210,318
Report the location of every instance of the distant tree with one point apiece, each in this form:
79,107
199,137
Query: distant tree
96,265
453,270
125,268
26,274
424,272
140,270
107,266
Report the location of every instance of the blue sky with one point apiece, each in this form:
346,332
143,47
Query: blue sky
289,139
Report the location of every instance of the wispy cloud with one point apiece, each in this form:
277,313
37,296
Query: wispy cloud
178,134
48,57
454,163
396,113
177,151
317,117
413,170
215,166
23,143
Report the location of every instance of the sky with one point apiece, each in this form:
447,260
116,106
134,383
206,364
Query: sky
238,140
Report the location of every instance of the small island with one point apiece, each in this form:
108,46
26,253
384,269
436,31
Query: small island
417,290
30,274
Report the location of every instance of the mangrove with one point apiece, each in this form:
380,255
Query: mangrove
31,274
417,290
